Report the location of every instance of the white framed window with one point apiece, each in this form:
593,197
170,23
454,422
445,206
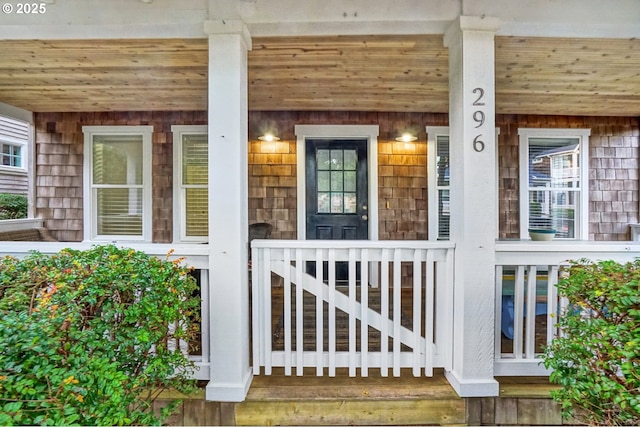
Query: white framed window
438,176
117,176
14,141
554,174
190,184
438,182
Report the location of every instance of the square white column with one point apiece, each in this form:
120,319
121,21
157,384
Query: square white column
231,375
473,202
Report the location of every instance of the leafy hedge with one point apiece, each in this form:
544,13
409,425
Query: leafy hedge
88,337
13,206
596,357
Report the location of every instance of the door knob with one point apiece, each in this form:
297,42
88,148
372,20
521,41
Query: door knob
364,217
364,207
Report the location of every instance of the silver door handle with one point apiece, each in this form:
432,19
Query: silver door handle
365,217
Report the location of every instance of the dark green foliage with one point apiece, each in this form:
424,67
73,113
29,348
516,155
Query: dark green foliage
88,337
13,206
596,358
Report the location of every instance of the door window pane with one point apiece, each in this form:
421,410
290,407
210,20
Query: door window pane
323,160
350,203
324,181
323,203
337,205
336,181
350,181
336,160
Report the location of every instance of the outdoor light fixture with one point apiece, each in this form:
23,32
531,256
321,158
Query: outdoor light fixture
408,140
406,137
268,137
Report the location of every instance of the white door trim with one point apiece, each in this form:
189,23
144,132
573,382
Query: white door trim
368,132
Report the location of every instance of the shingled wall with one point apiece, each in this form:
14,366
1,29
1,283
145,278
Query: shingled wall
402,192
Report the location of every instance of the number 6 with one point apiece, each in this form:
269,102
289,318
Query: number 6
478,144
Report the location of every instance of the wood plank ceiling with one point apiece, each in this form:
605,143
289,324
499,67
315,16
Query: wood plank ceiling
350,73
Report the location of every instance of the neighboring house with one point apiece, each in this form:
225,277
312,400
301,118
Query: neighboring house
154,134
16,138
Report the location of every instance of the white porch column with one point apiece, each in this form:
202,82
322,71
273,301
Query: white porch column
473,202
231,375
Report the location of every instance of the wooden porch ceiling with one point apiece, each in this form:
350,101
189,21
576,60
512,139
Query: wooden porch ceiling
363,73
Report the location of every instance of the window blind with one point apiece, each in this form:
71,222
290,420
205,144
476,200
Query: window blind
442,182
195,178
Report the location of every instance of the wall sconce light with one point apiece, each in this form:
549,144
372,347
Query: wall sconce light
268,137
408,140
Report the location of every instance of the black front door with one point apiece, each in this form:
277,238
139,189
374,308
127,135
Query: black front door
336,189
336,196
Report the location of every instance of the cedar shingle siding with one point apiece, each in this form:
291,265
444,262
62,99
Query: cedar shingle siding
402,191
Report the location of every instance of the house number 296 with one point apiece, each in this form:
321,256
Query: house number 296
478,117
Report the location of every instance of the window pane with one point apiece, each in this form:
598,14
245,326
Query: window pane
336,160
337,203
554,162
554,181
197,221
350,160
444,214
324,182
117,159
350,203
336,181
350,181
195,160
323,203
442,160
324,162
10,155
119,211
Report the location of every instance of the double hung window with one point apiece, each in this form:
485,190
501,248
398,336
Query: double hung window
439,209
554,181
190,180
117,176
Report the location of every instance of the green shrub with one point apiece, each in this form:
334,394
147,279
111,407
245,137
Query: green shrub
13,206
596,357
88,337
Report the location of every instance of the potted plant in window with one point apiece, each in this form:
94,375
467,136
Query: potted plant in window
542,230
542,234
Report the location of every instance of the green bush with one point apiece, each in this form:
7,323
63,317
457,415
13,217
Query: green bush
13,206
88,337
596,357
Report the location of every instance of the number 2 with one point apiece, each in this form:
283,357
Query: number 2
478,101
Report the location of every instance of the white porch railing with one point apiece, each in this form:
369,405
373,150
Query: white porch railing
394,303
195,255
526,297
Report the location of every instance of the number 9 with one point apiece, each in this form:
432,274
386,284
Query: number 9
478,117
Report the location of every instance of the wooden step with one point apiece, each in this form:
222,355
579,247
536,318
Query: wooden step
341,400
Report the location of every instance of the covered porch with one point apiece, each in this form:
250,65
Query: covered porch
471,309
